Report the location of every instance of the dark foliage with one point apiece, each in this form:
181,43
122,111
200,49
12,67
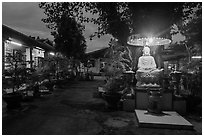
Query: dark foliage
120,19
69,38
68,33
191,27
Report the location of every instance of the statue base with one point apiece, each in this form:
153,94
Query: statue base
148,78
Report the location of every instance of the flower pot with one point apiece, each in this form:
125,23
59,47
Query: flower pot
13,100
112,100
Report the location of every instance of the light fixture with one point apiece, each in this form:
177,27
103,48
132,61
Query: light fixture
196,57
52,53
149,41
15,43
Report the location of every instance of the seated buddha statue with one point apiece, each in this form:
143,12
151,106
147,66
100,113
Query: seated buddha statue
147,73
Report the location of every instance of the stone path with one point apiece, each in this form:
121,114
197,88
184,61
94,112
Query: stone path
74,111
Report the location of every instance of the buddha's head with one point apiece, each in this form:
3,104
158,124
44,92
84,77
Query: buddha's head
146,51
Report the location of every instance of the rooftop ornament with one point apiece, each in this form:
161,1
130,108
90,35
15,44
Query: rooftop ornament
148,41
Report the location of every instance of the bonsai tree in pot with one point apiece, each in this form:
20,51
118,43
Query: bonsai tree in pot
118,63
57,66
27,88
42,78
113,91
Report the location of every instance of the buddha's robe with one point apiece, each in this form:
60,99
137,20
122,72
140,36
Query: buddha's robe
146,63
147,71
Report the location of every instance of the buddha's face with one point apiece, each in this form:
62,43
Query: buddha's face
146,51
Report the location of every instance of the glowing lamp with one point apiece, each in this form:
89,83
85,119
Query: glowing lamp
150,40
52,53
196,57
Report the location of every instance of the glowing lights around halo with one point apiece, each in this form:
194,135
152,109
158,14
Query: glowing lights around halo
151,41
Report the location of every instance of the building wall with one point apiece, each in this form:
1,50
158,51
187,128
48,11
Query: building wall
96,68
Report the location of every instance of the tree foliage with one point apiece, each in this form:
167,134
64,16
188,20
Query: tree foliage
68,33
69,38
191,27
121,19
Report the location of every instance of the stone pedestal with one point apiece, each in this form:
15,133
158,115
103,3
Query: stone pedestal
149,77
169,119
141,99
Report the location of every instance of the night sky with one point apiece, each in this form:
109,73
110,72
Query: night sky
26,17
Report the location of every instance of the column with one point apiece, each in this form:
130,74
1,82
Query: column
3,55
29,58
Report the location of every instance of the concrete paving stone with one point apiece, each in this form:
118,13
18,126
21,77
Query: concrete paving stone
116,122
170,119
74,111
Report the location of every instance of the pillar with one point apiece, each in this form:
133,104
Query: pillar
29,59
3,55
97,65
4,38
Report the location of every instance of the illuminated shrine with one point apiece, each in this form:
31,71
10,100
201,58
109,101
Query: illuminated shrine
147,75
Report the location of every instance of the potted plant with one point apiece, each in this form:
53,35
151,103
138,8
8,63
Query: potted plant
13,78
113,91
56,68
10,93
118,63
32,84
42,83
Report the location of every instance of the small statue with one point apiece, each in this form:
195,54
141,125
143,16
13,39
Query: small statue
146,61
147,73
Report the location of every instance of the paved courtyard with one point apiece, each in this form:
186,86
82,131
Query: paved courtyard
75,110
